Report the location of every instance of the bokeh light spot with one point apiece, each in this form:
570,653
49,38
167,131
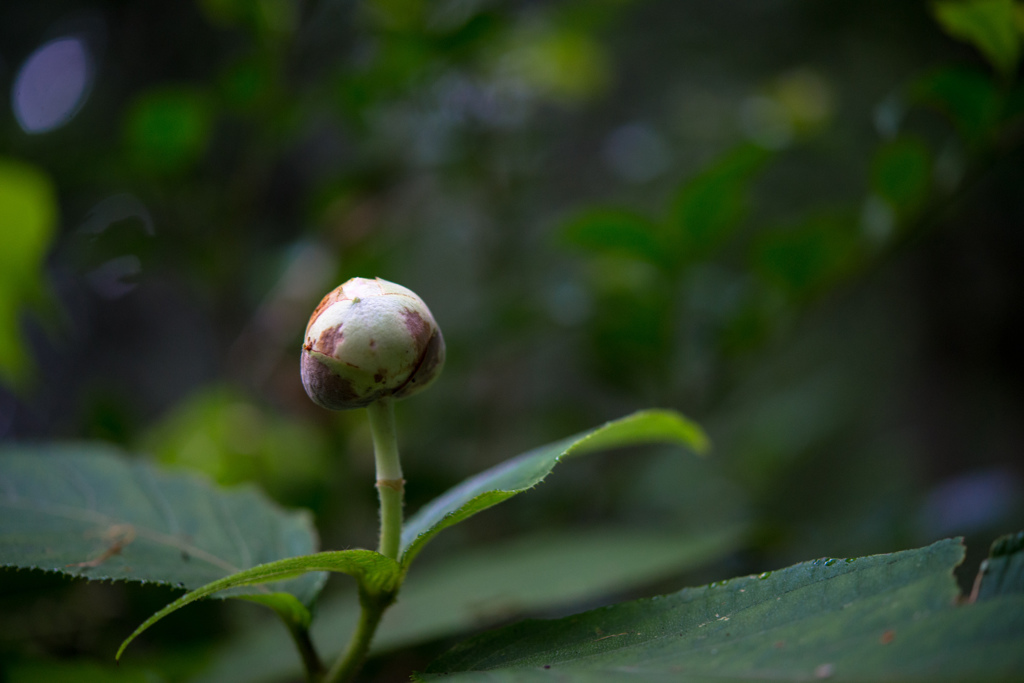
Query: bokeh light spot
52,85
637,153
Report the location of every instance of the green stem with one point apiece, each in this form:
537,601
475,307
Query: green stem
390,489
310,659
390,485
348,665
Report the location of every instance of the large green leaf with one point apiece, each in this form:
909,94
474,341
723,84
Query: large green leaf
88,510
481,587
888,617
527,470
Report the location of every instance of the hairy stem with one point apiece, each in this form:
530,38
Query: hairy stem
310,659
390,489
390,484
348,665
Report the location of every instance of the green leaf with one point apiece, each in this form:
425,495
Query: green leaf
968,98
221,433
562,63
712,204
900,173
988,25
479,587
167,129
886,617
87,510
527,470
809,257
28,216
375,573
608,230
81,670
1003,572
288,608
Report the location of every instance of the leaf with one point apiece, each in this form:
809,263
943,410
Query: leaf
608,230
809,257
218,432
28,216
167,129
900,173
82,670
374,572
87,510
886,617
968,98
712,204
479,587
529,469
988,25
1003,572
562,63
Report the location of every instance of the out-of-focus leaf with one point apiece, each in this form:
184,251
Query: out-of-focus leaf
615,231
397,15
808,257
900,173
87,510
28,215
712,204
265,18
250,84
482,586
1003,572
563,64
167,129
228,437
884,617
970,100
631,318
527,470
375,573
84,671
988,25
806,96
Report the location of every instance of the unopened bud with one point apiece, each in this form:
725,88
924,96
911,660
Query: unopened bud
368,340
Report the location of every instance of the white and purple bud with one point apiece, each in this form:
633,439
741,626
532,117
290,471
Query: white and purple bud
368,340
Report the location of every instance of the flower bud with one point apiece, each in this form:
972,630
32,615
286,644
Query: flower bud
368,340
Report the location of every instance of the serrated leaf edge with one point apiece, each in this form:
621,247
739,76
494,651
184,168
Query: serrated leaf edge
364,565
685,432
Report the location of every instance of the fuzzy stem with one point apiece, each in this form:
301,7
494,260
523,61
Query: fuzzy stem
390,485
348,665
390,489
310,659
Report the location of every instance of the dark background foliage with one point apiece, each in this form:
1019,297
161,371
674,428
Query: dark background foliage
797,222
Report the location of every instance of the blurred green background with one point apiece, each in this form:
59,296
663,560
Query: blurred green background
800,223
